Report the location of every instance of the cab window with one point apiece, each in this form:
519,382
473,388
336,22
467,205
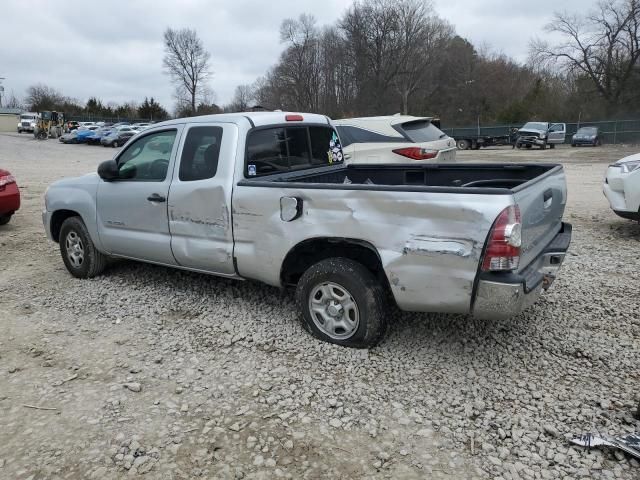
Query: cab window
147,158
283,149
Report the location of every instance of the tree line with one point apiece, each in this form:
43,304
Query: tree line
389,56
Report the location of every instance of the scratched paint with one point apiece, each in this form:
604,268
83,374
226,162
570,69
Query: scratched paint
425,245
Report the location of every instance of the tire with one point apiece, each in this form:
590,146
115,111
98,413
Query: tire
463,144
115,144
76,243
518,146
543,146
336,278
552,146
5,219
528,145
573,145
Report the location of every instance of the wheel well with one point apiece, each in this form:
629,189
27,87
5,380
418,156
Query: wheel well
310,252
57,219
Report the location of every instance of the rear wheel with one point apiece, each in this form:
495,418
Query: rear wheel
462,144
552,146
4,219
343,303
573,144
79,254
115,144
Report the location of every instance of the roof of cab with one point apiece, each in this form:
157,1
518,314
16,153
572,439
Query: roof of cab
257,119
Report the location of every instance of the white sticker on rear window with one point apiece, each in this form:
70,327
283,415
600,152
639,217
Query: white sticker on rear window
252,170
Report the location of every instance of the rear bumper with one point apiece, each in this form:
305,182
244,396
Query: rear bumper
504,295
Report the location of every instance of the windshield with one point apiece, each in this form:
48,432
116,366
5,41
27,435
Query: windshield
534,126
27,117
587,131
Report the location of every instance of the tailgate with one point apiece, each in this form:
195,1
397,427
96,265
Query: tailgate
541,201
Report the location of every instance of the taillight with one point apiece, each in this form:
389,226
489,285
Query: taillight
6,180
505,239
416,153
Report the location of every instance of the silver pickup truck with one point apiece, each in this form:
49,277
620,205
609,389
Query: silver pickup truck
266,196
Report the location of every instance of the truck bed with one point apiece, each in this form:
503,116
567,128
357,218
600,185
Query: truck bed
482,178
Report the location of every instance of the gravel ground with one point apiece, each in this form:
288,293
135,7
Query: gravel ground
147,370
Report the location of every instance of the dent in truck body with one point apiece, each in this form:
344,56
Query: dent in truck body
426,272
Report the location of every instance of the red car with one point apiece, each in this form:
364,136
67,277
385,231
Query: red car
9,196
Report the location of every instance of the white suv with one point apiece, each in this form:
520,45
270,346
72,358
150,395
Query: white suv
394,139
622,187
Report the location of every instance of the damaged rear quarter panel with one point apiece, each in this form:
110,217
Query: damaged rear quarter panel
429,243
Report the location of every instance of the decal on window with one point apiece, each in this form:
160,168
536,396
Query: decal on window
252,170
335,150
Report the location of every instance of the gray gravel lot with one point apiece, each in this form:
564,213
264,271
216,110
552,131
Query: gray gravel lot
146,370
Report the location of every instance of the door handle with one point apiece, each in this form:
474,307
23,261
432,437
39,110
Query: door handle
156,198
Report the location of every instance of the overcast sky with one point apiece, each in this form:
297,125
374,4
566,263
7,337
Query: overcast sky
113,49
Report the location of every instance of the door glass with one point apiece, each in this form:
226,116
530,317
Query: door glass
147,158
200,153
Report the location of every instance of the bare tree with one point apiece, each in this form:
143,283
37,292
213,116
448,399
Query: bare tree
603,46
242,99
42,97
187,63
11,101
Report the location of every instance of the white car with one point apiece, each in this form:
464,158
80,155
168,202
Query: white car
622,187
394,139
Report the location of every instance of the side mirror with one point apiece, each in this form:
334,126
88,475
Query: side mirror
108,170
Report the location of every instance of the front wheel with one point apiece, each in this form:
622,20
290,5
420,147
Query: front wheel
79,254
343,303
114,144
4,219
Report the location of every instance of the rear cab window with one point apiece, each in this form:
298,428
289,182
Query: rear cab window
422,131
288,148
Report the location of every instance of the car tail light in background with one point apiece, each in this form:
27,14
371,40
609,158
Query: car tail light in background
416,153
505,240
293,118
6,180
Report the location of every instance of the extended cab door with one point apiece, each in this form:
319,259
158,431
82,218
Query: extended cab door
200,198
132,210
557,133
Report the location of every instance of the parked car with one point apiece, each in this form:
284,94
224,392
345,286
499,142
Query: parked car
458,238
541,134
27,122
394,139
70,137
98,134
85,133
622,187
141,126
586,136
9,196
117,137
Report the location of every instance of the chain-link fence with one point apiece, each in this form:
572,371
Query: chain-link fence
610,131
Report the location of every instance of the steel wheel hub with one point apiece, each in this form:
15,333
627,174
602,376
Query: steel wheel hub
75,249
334,310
